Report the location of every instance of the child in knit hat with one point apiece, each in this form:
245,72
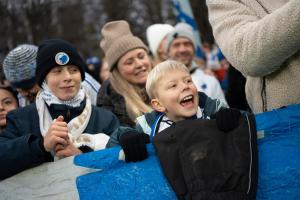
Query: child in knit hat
19,68
127,57
62,121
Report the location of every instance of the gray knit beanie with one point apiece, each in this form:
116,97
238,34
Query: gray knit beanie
19,66
118,40
180,30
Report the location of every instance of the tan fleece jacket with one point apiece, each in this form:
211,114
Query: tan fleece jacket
261,38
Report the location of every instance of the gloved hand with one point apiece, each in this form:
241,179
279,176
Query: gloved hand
227,119
134,145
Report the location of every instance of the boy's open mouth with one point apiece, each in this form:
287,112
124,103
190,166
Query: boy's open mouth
188,100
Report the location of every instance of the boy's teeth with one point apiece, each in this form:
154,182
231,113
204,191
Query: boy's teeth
187,98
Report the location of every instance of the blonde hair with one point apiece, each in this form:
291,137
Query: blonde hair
158,72
134,101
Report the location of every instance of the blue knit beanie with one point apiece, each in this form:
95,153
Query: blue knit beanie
19,66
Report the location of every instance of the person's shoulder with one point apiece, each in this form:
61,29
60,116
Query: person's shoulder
25,109
105,86
103,117
199,75
103,95
26,112
90,82
145,122
106,89
210,78
149,117
101,111
202,99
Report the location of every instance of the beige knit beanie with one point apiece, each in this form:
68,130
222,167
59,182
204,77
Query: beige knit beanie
117,40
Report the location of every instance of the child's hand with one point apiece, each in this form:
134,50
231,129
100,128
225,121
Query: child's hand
66,151
134,146
57,134
227,119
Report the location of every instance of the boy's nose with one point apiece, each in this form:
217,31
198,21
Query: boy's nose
185,86
67,75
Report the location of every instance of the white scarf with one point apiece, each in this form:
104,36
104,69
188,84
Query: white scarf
76,126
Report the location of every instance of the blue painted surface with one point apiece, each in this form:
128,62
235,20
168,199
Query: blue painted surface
120,180
279,154
279,165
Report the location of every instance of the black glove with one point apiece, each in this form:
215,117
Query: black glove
227,119
134,146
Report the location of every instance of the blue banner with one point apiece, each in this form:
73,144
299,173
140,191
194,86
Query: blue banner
120,180
279,164
101,175
279,154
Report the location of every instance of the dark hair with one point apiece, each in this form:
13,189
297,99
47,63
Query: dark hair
11,90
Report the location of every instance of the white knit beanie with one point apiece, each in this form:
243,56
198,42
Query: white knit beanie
155,34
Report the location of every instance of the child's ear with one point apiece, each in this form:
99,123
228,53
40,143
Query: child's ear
157,105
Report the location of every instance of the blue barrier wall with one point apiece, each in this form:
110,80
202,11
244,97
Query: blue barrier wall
279,165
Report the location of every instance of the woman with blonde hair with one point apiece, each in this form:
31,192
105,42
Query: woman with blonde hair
127,56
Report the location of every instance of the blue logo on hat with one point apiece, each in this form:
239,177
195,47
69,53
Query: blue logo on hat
62,58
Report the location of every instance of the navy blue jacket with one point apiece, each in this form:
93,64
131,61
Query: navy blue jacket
20,142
